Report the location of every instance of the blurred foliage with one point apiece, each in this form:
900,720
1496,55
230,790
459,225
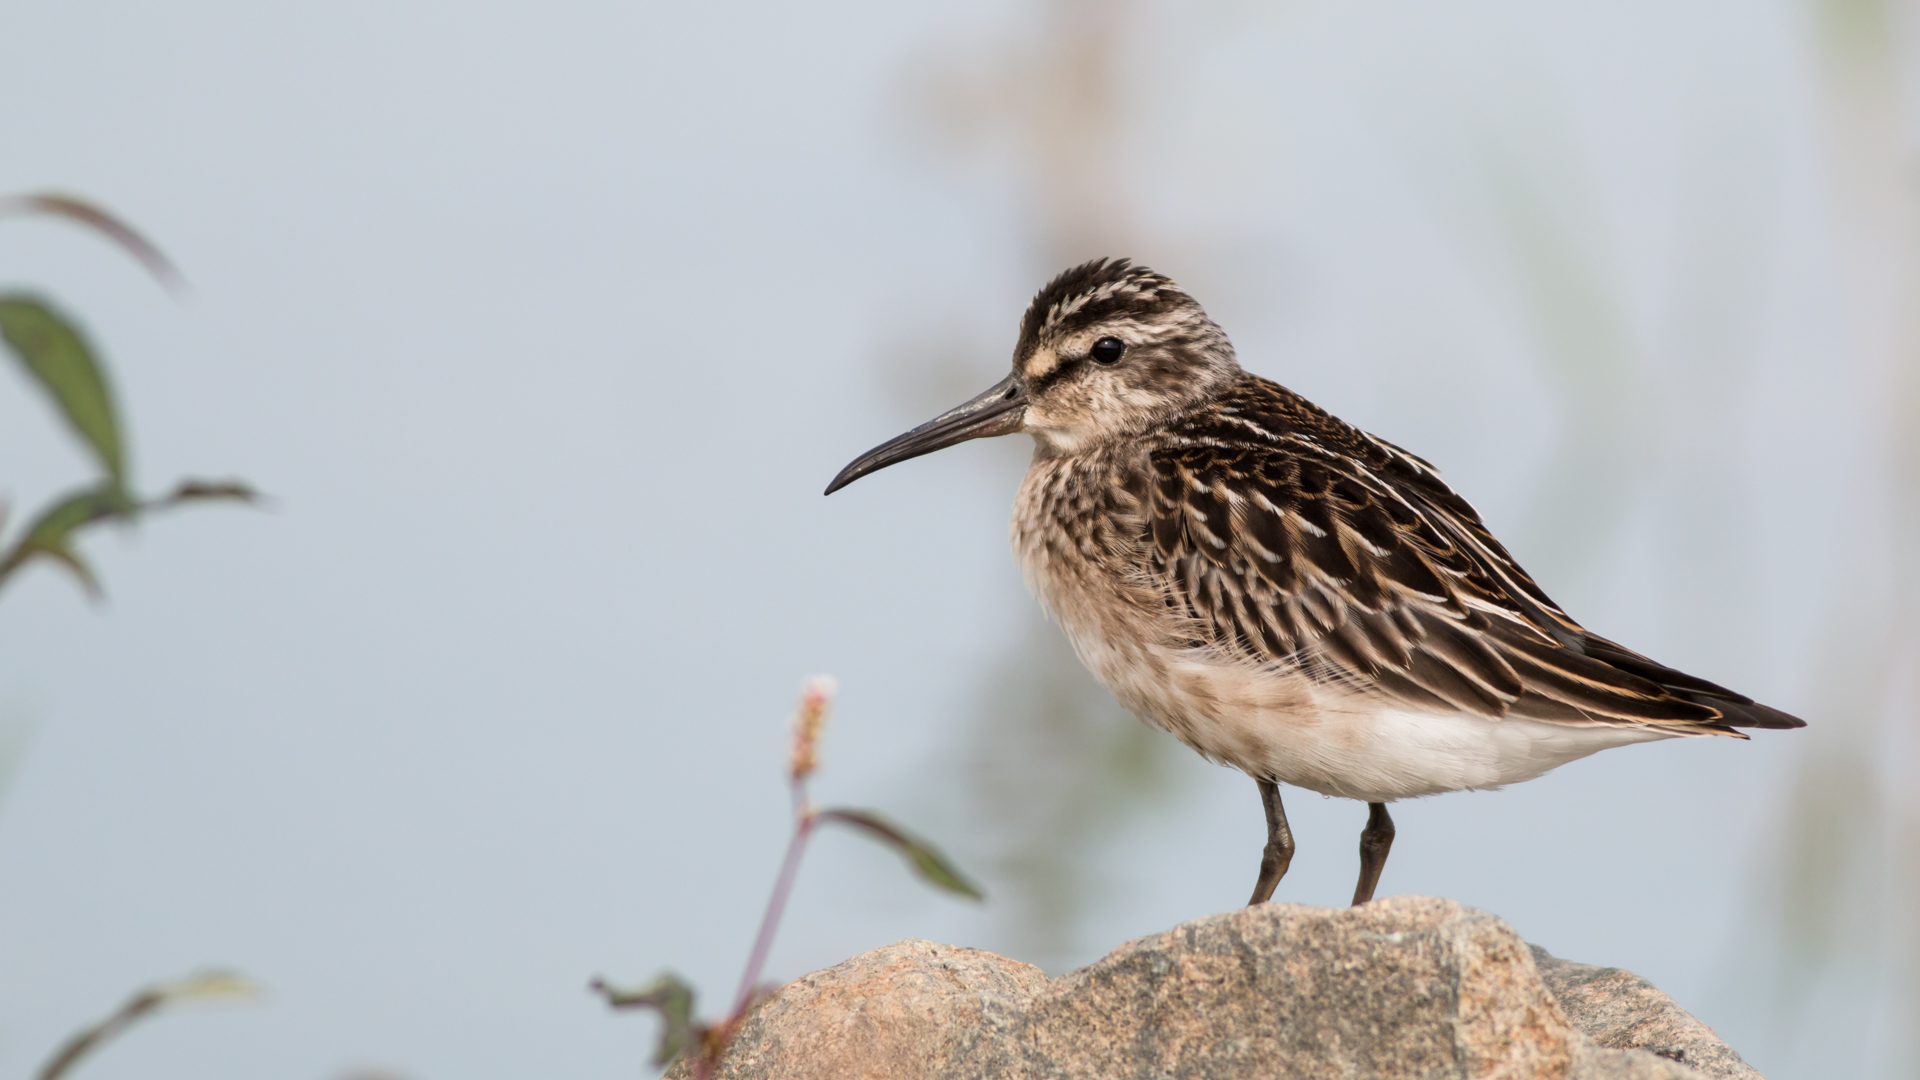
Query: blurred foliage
56,355
1854,31
59,359
670,996
130,240
200,987
1840,898
1054,769
922,857
1601,464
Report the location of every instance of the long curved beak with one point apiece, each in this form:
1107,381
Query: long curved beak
1000,411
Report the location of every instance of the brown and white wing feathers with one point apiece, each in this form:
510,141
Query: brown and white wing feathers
1291,538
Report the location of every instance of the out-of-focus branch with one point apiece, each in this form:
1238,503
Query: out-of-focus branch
204,986
79,210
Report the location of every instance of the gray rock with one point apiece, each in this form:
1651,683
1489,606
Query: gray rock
1622,1011
1401,988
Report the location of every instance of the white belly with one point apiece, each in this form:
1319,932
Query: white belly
1399,754
1281,725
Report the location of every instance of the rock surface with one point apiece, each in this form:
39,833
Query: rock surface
1622,1011
1401,988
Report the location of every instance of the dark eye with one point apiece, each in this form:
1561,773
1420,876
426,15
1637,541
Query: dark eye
1107,350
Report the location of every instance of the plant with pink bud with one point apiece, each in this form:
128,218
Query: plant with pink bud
680,1032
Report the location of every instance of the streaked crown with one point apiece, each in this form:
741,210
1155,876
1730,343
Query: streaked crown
1109,349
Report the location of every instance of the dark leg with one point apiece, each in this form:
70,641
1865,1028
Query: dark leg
1278,853
1375,841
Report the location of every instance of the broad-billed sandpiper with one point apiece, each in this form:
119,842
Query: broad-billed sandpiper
1281,591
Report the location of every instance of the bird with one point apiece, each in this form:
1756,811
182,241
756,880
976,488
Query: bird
1279,590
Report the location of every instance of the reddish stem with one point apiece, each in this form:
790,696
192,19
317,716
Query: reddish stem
803,822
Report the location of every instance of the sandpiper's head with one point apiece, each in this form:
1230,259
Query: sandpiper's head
1109,349
1106,350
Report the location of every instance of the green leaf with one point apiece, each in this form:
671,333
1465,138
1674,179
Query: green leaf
672,998
51,535
201,986
59,358
925,859
86,213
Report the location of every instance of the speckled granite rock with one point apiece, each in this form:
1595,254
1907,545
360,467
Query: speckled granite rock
1622,1011
1402,988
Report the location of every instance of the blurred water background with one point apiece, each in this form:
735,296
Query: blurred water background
546,324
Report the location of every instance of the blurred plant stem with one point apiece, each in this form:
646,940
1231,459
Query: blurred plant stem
1847,873
672,997
1598,466
1053,767
201,987
1053,103
131,240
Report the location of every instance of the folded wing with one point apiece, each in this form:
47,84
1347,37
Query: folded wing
1358,565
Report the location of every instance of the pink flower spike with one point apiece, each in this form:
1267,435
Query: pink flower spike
815,699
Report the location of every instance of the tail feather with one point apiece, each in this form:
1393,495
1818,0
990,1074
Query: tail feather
1737,709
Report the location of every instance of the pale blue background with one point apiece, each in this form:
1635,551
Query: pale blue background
546,324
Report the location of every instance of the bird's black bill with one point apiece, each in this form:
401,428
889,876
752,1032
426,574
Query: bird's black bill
999,411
